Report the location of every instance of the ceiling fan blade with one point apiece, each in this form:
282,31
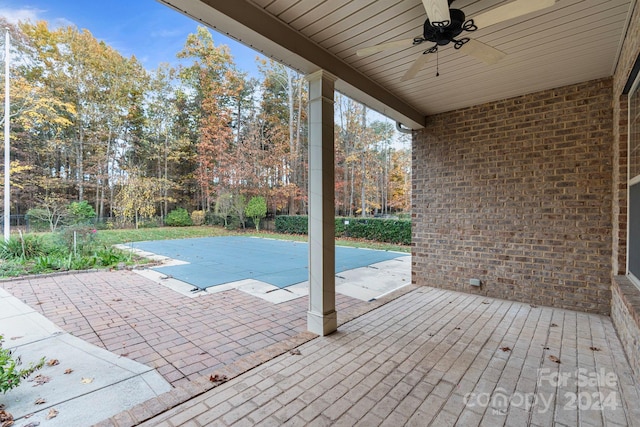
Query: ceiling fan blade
415,67
384,46
437,11
510,10
483,52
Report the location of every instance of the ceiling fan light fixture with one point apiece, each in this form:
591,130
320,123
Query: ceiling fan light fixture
445,35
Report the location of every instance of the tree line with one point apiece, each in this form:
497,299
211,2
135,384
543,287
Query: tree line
90,125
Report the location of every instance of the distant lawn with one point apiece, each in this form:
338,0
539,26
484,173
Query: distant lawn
112,237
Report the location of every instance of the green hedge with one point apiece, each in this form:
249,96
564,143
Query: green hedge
377,229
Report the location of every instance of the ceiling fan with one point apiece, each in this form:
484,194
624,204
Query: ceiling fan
444,25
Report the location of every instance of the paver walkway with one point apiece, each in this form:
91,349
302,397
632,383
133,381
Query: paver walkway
441,358
183,338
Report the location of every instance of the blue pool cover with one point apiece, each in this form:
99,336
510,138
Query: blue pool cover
217,260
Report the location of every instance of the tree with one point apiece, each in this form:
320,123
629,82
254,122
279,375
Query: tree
81,212
52,211
256,209
215,85
136,199
224,206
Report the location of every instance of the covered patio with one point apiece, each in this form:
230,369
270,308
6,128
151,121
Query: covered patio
429,357
524,146
522,208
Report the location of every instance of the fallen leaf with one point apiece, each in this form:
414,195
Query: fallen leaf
40,401
533,306
457,329
505,349
40,379
217,378
86,380
28,416
553,325
594,349
39,303
68,371
554,359
486,302
15,338
7,423
124,354
53,362
117,299
295,352
5,416
32,424
52,413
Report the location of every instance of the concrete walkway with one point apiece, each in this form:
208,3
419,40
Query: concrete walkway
81,383
440,358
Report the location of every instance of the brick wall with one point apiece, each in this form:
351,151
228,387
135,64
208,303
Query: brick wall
625,314
625,304
517,193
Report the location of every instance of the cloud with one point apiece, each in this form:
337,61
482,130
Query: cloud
33,15
24,14
62,22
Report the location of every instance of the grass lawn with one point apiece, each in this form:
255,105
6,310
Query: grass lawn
112,237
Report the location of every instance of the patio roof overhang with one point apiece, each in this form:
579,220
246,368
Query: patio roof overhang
268,35
570,42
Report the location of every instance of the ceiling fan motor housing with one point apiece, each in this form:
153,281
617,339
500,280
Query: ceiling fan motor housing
444,35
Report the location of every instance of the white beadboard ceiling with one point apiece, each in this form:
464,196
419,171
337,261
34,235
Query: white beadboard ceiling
570,42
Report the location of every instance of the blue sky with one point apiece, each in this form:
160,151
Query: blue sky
152,32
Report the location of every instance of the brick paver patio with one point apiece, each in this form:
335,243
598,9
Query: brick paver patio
435,357
427,357
183,338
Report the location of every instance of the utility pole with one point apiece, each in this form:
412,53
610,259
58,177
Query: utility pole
7,164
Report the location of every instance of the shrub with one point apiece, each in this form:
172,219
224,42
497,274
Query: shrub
111,256
154,222
211,218
381,230
36,220
256,210
81,262
84,239
178,218
197,217
47,263
24,247
81,212
10,373
292,224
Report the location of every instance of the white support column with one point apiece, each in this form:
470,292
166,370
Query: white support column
321,317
